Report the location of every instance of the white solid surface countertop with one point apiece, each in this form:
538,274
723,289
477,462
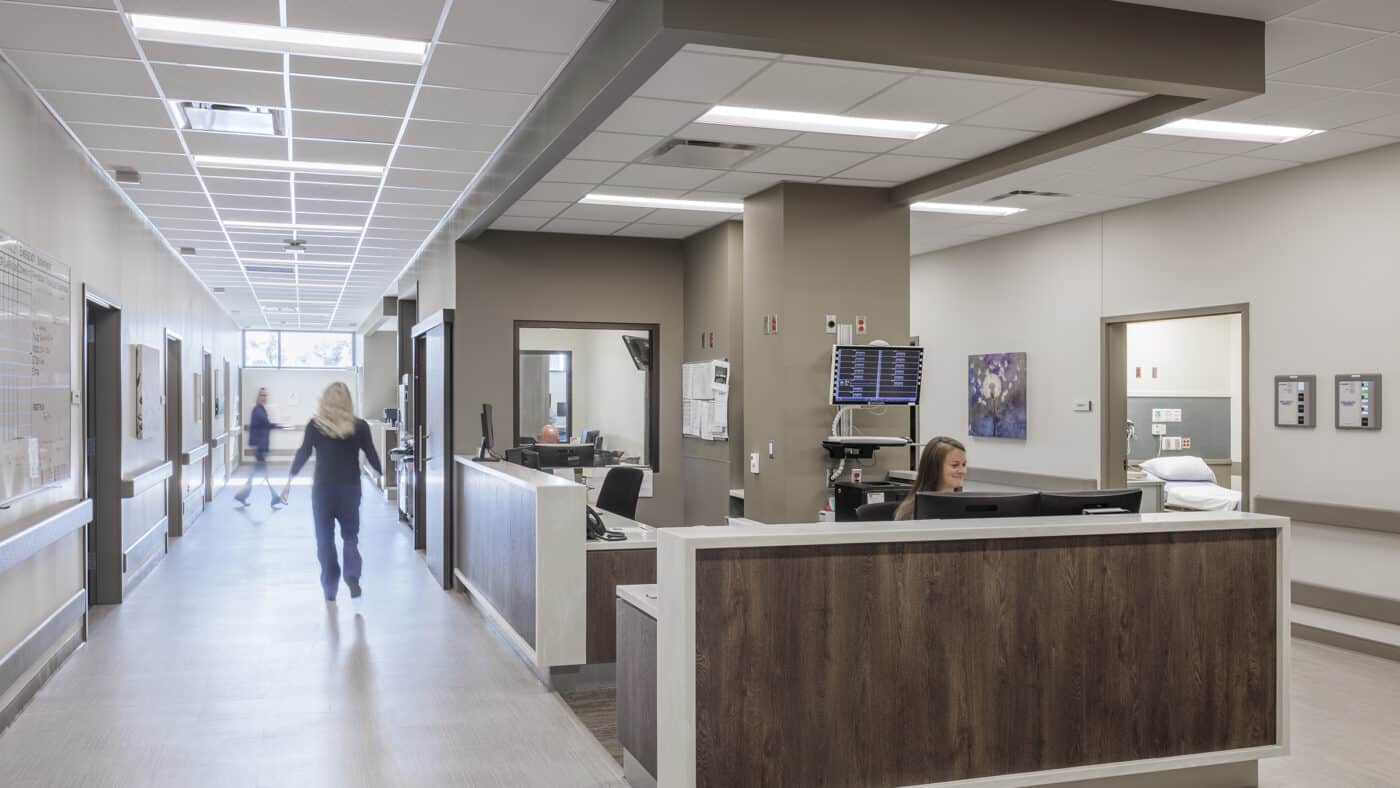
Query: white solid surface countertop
640,536
642,597
517,474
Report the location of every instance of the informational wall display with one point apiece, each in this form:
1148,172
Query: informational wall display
1295,401
876,374
148,392
705,400
35,370
1359,401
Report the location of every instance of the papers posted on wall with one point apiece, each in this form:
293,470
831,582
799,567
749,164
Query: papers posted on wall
705,400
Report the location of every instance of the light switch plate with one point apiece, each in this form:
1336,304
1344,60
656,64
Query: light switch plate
771,450
1083,406
753,463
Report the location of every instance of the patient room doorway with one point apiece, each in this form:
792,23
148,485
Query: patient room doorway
1176,385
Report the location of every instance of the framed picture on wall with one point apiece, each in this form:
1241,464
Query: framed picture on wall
996,395
149,381
198,400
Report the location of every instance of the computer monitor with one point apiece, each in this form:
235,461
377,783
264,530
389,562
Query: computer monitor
556,455
1088,501
488,432
640,350
960,506
876,374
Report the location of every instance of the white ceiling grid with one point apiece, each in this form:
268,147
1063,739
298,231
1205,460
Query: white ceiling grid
431,128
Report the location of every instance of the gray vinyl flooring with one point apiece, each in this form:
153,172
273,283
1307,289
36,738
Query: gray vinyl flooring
226,667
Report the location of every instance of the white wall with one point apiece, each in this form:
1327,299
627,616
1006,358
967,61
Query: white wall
1194,357
610,393
56,201
1312,251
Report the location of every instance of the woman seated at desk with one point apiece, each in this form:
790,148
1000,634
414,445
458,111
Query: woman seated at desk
942,468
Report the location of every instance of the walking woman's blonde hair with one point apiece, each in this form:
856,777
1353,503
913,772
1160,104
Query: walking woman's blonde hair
335,415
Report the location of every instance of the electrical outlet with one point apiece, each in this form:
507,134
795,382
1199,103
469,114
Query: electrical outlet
1159,429
753,463
1185,443
861,325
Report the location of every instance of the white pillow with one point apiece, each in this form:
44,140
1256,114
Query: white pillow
1179,469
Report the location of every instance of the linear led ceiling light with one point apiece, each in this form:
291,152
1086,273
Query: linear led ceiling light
1238,132
272,38
282,165
289,264
633,201
816,122
970,210
325,228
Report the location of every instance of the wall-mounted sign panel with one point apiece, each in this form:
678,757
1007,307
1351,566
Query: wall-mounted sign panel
1359,401
1295,401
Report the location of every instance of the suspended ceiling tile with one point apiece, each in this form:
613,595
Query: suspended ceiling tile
419,196
811,88
1277,97
445,159
368,153
1048,108
963,142
611,146
652,116
223,185
491,68
1359,67
582,227
536,209
471,106
461,136
157,212
354,69
144,162
49,71
74,31
848,142
135,138
90,108
751,182
662,177
389,209
353,128
803,161
197,83
412,19
604,213
891,167
336,191
556,192
1233,168
1291,42
1371,14
695,76
344,208
874,184
157,52
1337,112
580,171
517,223
938,99
144,196
690,218
208,143
347,95
543,25
245,202
643,230
1323,146
428,179
261,12
739,135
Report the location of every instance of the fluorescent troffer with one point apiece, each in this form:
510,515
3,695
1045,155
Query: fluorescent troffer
637,201
227,118
970,210
815,122
325,228
272,38
283,165
1238,132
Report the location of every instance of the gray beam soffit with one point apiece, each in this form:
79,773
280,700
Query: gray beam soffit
1190,62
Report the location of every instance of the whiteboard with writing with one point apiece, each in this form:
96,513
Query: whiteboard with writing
35,370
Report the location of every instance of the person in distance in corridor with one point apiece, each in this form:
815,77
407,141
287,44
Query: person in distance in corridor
942,468
259,426
337,438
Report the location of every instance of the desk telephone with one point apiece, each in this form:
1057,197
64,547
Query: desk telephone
596,529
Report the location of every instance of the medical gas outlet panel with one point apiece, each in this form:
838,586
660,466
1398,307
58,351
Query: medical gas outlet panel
1295,403
1359,401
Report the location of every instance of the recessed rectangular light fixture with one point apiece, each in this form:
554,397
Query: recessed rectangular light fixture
970,210
1237,132
282,165
294,284
289,264
227,118
293,301
272,38
325,228
637,201
818,123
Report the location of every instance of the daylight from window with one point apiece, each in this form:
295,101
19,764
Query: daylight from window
316,349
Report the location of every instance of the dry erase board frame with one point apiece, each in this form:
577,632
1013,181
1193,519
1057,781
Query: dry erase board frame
36,374
1373,414
1308,414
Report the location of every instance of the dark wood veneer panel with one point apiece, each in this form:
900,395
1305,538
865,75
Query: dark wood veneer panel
608,569
636,684
884,665
496,547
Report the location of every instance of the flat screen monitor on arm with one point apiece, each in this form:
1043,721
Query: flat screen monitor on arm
876,374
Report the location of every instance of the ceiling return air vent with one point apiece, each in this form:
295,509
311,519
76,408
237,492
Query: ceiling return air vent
677,152
227,118
268,269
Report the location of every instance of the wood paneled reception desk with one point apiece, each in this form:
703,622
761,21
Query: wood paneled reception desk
1141,650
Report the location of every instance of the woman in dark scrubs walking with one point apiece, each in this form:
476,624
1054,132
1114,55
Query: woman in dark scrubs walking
337,438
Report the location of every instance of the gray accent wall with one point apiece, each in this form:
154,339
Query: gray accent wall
379,374
812,250
502,277
714,287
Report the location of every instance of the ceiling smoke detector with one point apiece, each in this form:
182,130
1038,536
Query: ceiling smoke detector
677,152
295,245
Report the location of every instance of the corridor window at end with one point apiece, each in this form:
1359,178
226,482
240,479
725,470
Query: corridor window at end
299,349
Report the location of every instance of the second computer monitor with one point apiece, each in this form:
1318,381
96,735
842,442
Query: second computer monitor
1090,501
554,455
958,506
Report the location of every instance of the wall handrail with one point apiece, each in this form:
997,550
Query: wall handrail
195,454
144,480
43,529
1338,515
1034,481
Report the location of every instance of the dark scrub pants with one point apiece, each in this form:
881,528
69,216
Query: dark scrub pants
331,503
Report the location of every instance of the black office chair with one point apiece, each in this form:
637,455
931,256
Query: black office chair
620,491
876,512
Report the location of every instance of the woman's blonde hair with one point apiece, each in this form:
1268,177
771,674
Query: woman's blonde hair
335,415
930,474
